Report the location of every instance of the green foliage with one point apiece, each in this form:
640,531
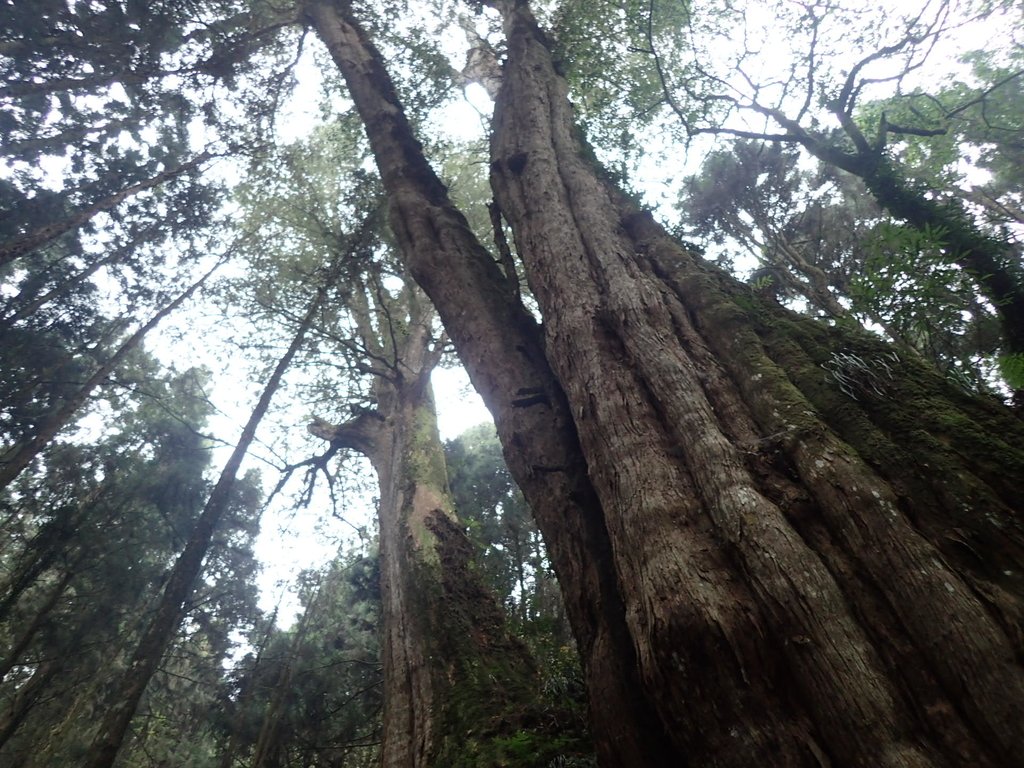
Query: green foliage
908,284
512,558
616,104
510,550
978,140
92,533
806,227
1011,368
329,712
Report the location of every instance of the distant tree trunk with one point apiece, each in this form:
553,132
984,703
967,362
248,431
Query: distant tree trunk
812,573
25,698
20,456
125,696
502,348
38,620
270,729
454,679
230,750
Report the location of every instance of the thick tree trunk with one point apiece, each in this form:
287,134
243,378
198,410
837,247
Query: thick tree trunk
455,682
809,577
125,696
501,346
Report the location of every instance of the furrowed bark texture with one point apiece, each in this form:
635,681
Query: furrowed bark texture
501,346
809,577
453,677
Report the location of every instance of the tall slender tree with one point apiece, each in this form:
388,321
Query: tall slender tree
16,458
181,580
434,605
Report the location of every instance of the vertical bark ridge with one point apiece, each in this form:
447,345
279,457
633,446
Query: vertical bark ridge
869,519
653,398
503,351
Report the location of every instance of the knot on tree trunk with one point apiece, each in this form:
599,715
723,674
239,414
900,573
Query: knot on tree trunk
358,433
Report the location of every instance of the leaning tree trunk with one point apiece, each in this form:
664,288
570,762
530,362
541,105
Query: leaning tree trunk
125,695
501,347
818,545
455,682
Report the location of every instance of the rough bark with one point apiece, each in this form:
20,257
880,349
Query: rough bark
809,578
455,682
501,346
125,696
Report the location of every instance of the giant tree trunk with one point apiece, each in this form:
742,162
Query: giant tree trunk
501,346
455,682
818,566
783,572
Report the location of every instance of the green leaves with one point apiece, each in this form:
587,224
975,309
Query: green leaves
1011,368
615,104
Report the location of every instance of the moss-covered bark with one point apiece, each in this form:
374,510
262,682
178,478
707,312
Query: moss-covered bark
459,690
760,561
502,347
817,543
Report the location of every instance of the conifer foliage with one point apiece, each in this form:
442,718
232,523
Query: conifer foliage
752,491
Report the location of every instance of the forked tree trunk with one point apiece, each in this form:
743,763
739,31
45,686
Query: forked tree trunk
818,545
816,561
501,346
455,682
